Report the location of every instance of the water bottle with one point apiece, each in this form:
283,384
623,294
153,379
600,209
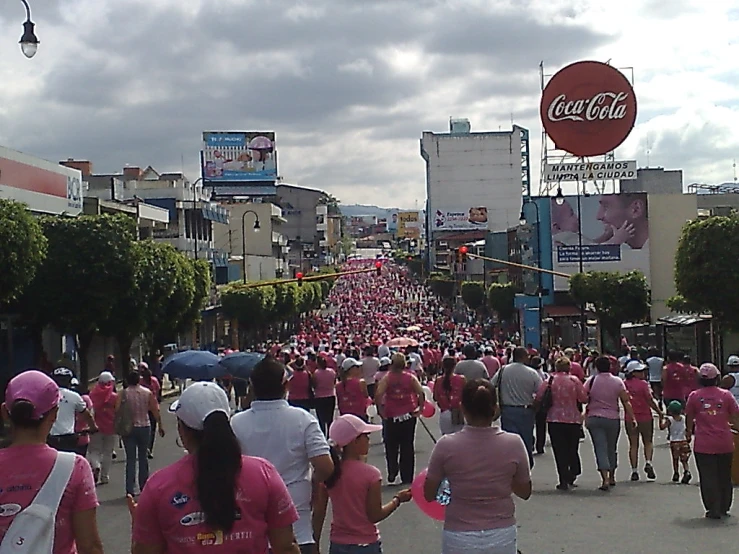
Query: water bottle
444,494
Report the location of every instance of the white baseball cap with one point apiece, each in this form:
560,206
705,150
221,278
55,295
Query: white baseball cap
634,365
350,363
106,377
385,360
197,402
733,360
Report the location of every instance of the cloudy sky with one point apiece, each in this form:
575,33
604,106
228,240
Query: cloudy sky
349,85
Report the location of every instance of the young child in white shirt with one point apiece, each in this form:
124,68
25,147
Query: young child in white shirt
679,445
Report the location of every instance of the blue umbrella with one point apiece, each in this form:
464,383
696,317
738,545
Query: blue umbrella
198,365
241,364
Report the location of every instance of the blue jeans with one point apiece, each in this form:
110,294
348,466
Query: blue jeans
519,420
604,434
136,445
374,548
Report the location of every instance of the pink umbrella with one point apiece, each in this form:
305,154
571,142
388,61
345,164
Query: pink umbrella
402,342
260,143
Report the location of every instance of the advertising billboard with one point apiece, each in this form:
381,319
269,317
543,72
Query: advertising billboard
409,225
467,219
615,234
588,108
238,157
622,170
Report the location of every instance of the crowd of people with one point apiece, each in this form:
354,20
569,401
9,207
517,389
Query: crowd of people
383,355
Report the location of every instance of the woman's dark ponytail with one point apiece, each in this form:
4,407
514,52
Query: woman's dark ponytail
448,365
218,469
21,415
336,459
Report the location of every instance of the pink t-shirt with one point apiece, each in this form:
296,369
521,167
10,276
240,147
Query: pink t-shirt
350,524
325,380
577,370
140,402
400,398
604,390
640,394
80,424
711,408
154,386
24,470
492,364
350,398
676,377
169,515
481,464
567,391
449,399
103,405
299,386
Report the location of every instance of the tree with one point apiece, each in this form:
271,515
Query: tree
616,298
473,294
202,281
441,285
705,272
678,304
22,249
501,299
87,266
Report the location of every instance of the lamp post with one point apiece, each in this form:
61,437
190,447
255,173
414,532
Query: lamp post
243,236
560,199
194,211
29,42
528,200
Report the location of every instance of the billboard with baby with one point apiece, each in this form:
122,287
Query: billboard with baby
608,232
234,157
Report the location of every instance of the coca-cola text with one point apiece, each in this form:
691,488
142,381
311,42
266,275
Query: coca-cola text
602,106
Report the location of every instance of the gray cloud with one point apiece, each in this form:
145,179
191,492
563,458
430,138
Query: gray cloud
141,84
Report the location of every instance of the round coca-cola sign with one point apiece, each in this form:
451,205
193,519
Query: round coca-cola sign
588,108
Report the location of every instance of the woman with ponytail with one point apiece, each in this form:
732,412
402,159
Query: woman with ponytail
448,396
355,490
214,494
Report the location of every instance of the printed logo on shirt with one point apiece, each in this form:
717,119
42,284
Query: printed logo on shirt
179,500
195,518
18,488
212,538
8,510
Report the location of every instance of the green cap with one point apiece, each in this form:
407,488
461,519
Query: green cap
675,407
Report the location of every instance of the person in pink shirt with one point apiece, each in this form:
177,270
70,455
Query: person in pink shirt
576,368
710,415
484,467
31,405
325,394
448,396
603,418
301,387
642,424
80,425
355,490
152,383
564,420
675,377
491,362
214,497
351,392
102,443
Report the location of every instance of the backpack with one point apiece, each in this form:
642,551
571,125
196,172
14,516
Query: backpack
32,530
123,423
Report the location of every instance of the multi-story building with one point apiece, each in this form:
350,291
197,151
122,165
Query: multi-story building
254,238
474,183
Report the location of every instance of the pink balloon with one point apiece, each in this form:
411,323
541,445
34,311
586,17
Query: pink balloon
432,509
428,410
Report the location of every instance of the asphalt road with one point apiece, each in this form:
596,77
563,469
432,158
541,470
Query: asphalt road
658,517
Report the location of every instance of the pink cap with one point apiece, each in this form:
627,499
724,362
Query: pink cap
35,387
709,371
347,428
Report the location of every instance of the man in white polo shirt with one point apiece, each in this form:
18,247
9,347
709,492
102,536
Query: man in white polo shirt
288,437
62,435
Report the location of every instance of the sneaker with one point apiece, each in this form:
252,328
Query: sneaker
104,480
96,475
686,478
150,455
634,475
649,470
562,487
391,479
675,477
114,455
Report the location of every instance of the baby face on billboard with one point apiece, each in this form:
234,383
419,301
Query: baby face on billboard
563,218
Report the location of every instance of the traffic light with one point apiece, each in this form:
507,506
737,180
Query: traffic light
462,255
299,277
378,267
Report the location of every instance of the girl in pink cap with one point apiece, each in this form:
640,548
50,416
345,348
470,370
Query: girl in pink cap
31,405
354,490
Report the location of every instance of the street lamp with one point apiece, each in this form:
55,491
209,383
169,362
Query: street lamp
256,228
559,199
29,42
539,288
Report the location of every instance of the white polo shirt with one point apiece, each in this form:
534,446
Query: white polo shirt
287,437
69,406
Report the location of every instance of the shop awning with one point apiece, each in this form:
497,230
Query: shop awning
684,320
562,311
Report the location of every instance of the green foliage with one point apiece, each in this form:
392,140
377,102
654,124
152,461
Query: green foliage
22,249
202,280
473,294
501,299
678,304
616,297
705,268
